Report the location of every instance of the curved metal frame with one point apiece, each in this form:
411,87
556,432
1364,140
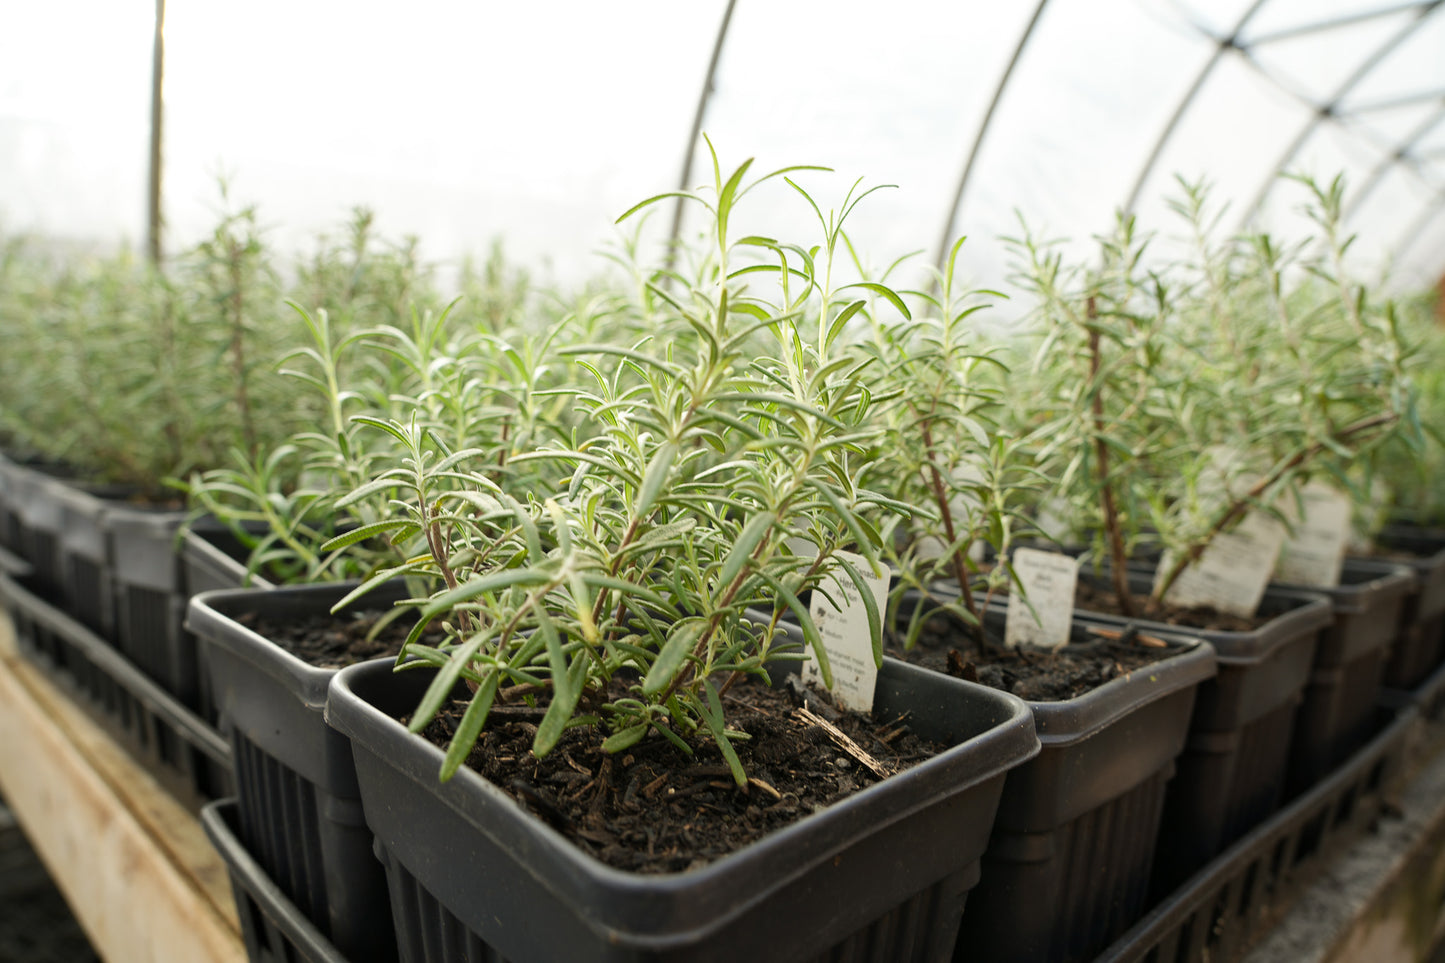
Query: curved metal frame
952,219
703,97
1401,155
1329,109
1317,26
154,220
1417,228
1401,152
1222,46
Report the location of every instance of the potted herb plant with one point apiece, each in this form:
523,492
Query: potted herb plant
1109,737
606,619
1187,416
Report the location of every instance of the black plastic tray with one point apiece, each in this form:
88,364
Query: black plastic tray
1429,695
1215,915
184,753
273,929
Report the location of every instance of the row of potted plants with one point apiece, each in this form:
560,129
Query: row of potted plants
613,518
1061,817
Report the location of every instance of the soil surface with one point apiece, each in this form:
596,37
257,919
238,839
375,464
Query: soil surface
1090,598
654,809
1033,674
336,641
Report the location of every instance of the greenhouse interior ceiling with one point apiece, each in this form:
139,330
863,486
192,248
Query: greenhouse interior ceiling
539,124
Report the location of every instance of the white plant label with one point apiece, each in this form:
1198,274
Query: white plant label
1048,580
1232,573
846,636
1315,553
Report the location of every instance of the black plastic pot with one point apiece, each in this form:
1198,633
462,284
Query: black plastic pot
9,509
272,928
185,754
62,534
1068,865
1231,774
300,808
151,598
880,876
1421,646
212,560
37,507
1344,684
86,585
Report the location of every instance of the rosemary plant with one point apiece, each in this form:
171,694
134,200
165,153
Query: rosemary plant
947,450
1175,411
623,594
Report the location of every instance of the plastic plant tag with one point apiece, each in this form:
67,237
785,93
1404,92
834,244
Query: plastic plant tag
1315,553
1048,580
846,636
1232,573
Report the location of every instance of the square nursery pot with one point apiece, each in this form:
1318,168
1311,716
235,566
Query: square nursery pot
150,597
1231,774
879,876
87,586
9,508
1068,864
299,805
1421,646
212,559
272,928
1339,699
35,500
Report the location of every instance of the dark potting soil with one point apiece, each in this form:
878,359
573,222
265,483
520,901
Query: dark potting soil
1036,675
654,809
336,641
1092,598
1396,553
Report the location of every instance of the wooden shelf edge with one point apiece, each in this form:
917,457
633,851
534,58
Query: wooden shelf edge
135,866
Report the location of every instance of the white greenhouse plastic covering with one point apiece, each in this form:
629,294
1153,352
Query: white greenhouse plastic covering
462,121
